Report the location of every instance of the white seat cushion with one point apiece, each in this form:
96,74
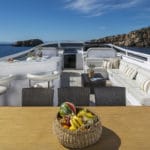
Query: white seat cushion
95,61
48,53
115,63
107,64
2,89
140,95
141,80
43,85
135,79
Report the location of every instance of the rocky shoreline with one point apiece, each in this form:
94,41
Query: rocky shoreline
137,38
31,42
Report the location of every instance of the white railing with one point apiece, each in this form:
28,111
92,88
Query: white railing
132,54
16,55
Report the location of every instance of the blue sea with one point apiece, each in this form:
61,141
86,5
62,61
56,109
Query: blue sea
141,50
8,49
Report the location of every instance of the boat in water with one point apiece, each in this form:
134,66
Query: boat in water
120,67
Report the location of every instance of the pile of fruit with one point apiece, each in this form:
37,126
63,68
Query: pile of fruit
73,118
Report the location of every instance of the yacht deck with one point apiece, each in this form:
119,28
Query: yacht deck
72,77
109,62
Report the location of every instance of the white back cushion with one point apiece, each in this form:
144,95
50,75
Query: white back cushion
49,52
101,52
142,81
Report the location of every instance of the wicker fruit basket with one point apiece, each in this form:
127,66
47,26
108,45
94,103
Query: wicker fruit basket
80,138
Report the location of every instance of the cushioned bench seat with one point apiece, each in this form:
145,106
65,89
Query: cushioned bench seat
135,79
142,97
102,58
101,65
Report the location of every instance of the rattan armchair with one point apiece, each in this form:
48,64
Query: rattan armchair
80,96
110,96
37,96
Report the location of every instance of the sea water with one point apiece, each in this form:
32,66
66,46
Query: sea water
141,50
9,49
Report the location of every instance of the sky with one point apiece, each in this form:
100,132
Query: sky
78,20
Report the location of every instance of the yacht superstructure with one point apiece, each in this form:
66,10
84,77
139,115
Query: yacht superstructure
119,66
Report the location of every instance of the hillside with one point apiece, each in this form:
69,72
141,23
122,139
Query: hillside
137,38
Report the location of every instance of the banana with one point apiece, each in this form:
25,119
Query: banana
76,123
78,120
81,113
72,124
72,128
89,115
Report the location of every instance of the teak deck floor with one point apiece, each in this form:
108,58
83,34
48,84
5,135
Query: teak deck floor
72,77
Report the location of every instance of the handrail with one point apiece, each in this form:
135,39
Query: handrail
16,55
133,54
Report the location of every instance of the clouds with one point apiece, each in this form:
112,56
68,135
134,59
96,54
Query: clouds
99,7
85,6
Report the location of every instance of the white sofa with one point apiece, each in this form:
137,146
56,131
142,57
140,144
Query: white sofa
135,79
102,59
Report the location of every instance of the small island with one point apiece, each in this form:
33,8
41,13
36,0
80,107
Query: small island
31,42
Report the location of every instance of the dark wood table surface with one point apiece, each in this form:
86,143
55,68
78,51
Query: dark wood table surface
96,81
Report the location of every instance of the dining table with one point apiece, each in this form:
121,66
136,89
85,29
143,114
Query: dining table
31,128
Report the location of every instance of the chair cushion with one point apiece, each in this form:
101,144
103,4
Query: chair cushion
107,64
123,66
129,69
140,95
6,79
131,73
2,89
43,85
114,62
48,53
42,77
113,71
98,52
146,86
135,79
142,80
95,61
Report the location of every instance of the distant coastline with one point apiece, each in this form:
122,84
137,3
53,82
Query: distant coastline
137,38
